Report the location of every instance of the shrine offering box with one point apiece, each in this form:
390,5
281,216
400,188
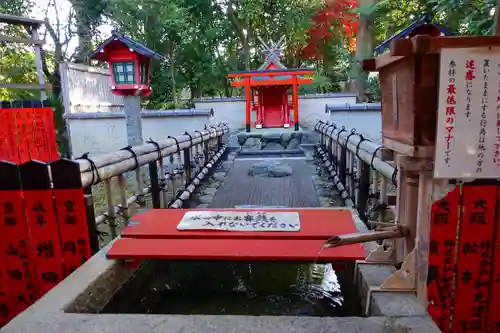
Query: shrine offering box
409,83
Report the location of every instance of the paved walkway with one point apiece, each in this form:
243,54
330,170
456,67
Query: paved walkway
239,188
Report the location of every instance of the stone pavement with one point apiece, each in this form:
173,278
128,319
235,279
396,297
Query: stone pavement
239,188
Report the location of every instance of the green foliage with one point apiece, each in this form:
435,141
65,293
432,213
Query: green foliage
373,89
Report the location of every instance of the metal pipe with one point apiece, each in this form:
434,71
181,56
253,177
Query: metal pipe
354,107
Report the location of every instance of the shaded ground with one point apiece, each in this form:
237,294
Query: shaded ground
239,188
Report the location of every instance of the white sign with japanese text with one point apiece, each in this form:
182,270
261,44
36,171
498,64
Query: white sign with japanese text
468,128
240,221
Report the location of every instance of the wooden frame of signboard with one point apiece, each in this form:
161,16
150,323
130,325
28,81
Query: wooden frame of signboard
409,79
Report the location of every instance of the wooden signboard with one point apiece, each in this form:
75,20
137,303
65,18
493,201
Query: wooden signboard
240,221
468,128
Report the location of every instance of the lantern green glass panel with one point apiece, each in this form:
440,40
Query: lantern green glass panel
124,72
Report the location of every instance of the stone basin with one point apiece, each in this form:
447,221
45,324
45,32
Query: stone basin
76,305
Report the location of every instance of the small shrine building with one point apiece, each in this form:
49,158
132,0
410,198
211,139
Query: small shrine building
268,90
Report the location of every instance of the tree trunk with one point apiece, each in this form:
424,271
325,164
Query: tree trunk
240,26
84,33
172,78
246,50
497,18
365,40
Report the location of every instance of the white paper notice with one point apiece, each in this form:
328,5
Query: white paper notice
468,129
240,221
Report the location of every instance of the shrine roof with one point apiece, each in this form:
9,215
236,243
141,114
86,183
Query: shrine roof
274,71
130,43
425,19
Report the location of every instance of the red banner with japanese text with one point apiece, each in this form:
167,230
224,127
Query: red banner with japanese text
493,325
47,116
40,134
444,222
71,214
8,126
472,286
465,287
19,262
4,153
42,221
21,137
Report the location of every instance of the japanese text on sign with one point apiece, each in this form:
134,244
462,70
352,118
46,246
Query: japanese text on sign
240,221
468,128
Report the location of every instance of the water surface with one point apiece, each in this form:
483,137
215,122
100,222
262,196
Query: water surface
236,288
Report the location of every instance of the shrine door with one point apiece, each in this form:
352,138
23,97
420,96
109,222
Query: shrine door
273,105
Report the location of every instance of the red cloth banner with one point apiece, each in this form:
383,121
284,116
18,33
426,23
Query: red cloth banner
20,135
42,222
474,258
444,221
8,125
493,322
71,213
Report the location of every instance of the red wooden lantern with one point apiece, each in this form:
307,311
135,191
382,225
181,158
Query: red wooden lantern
129,64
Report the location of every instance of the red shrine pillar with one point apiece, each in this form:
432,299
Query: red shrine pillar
286,110
295,103
248,96
260,118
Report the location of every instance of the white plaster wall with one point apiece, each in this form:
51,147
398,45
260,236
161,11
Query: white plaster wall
86,89
311,108
368,123
105,135
230,112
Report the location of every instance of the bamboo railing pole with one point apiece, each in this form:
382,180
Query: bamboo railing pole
90,177
119,156
364,237
365,151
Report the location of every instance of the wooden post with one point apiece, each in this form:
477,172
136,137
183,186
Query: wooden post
132,108
247,101
425,201
38,62
295,104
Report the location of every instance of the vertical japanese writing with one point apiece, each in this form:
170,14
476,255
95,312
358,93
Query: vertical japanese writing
4,304
481,281
9,216
481,146
473,267
496,153
451,101
69,213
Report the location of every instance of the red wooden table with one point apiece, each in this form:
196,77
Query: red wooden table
154,235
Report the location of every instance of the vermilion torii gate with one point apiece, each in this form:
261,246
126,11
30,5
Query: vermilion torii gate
267,90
